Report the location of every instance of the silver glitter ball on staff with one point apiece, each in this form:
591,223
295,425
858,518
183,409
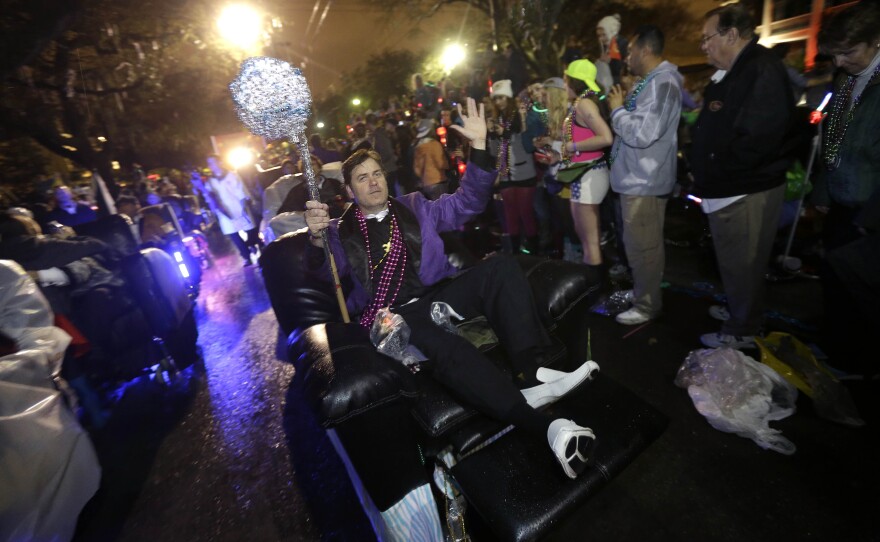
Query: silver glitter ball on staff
272,98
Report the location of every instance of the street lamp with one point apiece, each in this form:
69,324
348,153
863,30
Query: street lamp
240,157
241,26
452,56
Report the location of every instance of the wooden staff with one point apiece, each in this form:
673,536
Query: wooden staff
299,140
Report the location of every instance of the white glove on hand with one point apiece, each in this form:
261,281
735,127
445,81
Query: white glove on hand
53,277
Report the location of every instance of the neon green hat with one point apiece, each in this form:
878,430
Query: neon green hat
584,70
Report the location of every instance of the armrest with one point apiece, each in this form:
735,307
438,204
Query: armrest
557,286
298,302
343,374
115,230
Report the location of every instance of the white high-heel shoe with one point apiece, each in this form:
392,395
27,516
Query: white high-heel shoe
557,384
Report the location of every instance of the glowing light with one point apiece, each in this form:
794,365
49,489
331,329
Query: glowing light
240,25
239,157
115,165
69,148
452,56
825,101
183,271
694,198
320,125
177,256
356,102
102,139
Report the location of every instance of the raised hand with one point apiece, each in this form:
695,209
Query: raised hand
474,128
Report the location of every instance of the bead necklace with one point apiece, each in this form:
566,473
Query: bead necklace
503,163
542,111
837,124
386,247
568,135
630,105
394,266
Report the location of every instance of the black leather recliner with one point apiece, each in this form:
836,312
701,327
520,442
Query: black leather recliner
153,281
356,391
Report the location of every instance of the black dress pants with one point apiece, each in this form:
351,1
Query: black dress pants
253,240
495,288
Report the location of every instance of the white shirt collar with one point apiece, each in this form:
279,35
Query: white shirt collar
380,216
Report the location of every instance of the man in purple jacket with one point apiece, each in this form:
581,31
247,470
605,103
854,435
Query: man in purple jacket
389,254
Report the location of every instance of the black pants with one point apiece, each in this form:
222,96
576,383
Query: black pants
495,288
850,274
253,240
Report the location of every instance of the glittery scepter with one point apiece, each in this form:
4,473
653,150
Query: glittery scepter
273,100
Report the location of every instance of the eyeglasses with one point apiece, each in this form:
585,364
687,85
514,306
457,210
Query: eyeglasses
705,39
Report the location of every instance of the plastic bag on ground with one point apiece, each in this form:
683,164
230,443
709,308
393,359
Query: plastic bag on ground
796,363
736,394
613,304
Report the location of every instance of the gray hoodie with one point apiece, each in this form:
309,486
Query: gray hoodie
646,139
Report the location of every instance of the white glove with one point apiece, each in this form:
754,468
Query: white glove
53,277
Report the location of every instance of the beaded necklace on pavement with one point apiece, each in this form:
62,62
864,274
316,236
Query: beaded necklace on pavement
837,124
395,264
568,135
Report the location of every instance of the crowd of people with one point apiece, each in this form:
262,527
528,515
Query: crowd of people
559,164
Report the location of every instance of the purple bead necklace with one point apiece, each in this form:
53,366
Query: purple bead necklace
395,264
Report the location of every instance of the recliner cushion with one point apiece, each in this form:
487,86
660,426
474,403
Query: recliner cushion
537,495
558,284
343,374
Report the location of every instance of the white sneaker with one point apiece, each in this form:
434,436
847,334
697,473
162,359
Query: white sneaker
719,312
632,317
721,340
571,445
557,384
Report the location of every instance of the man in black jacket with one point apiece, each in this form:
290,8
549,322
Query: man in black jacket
739,160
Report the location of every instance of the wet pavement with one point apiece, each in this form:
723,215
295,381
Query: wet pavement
227,450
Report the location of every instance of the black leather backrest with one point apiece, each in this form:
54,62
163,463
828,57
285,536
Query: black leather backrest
557,285
298,301
115,230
